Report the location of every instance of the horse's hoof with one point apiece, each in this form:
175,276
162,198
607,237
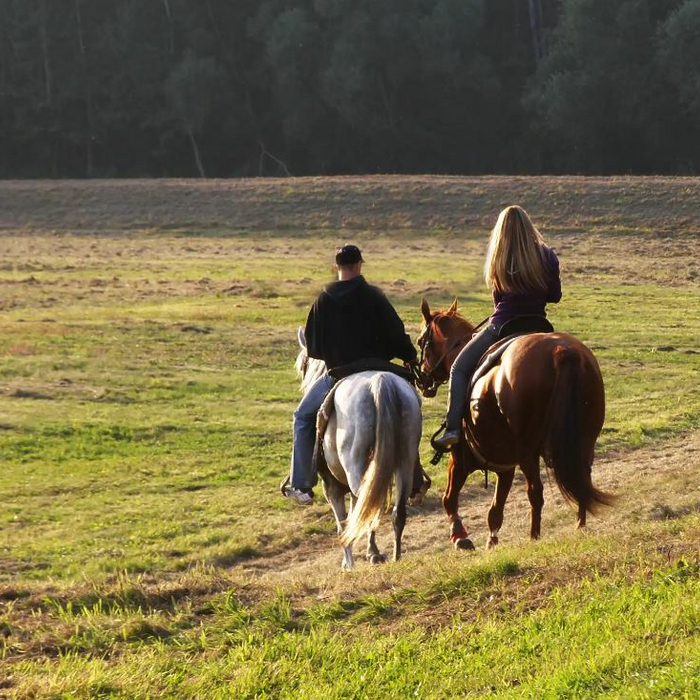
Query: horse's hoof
377,559
493,541
464,543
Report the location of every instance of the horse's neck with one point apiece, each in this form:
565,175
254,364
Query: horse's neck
314,369
459,333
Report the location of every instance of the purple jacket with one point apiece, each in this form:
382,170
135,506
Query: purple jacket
508,305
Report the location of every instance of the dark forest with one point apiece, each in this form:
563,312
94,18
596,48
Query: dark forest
222,88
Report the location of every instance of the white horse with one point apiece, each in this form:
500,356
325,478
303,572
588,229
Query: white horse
372,435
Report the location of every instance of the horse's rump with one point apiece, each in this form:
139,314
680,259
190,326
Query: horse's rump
549,393
373,436
511,404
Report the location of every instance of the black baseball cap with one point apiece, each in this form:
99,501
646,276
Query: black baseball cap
348,255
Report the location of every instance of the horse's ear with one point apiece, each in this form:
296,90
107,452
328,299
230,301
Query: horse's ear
453,308
425,309
301,338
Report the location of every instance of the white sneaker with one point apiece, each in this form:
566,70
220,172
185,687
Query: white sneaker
298,496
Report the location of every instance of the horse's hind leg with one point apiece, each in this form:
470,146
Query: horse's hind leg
581,523
495,517
374,556
535,494
335,495
404,484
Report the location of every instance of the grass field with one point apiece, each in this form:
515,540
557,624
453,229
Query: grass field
147,341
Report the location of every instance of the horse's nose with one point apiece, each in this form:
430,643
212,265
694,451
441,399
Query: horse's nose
430,391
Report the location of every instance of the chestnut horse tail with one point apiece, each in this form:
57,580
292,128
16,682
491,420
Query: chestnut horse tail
568,442
388,452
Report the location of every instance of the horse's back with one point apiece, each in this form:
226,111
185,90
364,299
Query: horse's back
358,387
533,345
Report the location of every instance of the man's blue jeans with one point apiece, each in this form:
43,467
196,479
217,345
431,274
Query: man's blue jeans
304,430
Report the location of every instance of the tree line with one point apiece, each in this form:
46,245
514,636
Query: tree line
121,88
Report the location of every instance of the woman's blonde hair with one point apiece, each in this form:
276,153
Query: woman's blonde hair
515,256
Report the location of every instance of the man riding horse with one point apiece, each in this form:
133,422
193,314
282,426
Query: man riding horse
351,326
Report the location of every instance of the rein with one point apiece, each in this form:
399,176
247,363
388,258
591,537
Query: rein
430,374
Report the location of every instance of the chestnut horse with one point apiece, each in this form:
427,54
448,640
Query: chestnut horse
544,398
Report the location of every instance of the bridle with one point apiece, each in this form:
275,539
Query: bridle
429,381
435,376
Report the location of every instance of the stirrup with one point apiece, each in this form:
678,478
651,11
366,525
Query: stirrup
446,440
284,485
439,449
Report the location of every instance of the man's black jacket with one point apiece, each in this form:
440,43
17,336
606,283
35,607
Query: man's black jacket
351,320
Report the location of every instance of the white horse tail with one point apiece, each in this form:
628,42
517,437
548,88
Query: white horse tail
388,452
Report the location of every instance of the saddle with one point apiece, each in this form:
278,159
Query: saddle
371,364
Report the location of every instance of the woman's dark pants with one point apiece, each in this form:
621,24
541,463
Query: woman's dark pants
461,372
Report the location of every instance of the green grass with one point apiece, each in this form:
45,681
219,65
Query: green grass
503,626
146,392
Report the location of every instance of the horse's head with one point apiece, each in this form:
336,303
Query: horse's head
308,368
444,335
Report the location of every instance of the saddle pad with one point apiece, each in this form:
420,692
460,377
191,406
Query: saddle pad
322,417
489,360
492,357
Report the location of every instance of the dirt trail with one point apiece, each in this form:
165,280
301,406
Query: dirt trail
653,483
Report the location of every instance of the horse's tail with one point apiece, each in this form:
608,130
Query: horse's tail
568,442
389,450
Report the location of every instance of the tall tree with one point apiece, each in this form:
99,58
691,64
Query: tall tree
191,89
679,53
87,91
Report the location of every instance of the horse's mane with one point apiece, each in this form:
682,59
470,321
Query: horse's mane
451,315
309,369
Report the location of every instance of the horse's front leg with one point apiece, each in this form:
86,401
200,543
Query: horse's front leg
535,494
457,473
421,484
495,517
399,521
